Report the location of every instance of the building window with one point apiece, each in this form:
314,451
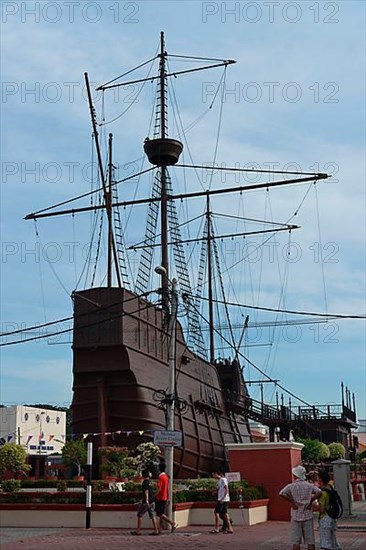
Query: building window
47,418
37,417
57,420
26,416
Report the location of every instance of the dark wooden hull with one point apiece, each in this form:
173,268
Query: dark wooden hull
120,349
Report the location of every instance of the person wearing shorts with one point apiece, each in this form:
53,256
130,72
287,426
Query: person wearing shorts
146,505
161,499
301,494
222,504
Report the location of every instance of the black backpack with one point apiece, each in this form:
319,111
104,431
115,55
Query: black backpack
335,509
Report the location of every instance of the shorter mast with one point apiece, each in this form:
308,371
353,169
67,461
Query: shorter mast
102,177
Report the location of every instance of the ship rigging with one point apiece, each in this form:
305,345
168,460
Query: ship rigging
121,337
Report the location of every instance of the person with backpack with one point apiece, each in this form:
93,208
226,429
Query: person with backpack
330,509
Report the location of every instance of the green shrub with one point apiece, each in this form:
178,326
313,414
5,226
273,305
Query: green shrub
10,485
201,483
313,450
43,497
336,450
98,485
132,486
198,495
38,483
324,452
13,458
48,483
239,491
61,485
254,493
116,497
181,496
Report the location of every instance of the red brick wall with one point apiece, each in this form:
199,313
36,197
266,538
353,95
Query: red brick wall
269,465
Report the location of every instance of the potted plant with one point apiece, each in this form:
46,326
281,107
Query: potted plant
116,462
74,453
147,457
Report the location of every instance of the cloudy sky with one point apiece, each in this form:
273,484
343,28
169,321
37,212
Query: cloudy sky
294,100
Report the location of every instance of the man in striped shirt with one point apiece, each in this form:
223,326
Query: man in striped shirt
301,495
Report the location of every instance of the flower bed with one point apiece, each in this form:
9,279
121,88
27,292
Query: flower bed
194,490
194,501
122,515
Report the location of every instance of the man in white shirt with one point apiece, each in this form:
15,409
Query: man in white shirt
221,508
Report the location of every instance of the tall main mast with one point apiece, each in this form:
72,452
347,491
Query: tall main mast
163,176
163,152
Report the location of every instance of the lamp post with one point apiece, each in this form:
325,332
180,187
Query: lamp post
40,437
40,432
171,397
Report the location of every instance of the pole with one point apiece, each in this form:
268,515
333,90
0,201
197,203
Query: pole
169,452
108,200
89,463
101,171
163,179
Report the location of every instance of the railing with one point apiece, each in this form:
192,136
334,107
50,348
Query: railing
268,415
325,412
299,419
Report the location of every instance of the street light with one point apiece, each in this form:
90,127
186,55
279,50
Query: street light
40,432
171,397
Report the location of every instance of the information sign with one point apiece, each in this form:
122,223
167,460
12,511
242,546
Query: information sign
168,438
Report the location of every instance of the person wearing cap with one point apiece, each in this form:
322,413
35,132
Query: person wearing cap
301,495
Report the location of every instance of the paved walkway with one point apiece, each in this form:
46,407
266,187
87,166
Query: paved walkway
272,535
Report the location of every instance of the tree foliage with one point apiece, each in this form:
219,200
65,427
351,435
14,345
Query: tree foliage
336,451
361,457
316,451
324,453
115,461
313,450
13,458
74,453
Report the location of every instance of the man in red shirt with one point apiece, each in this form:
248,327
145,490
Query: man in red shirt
161,498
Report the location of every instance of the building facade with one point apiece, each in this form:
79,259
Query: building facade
41,431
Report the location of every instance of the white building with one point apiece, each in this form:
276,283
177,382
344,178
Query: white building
41,431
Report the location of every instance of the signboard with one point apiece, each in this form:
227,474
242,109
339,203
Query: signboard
168,438
233,476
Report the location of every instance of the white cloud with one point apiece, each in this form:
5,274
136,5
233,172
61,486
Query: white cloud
308,132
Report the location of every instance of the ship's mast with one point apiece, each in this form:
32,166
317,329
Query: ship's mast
163,176
109,213
112,250
209,275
